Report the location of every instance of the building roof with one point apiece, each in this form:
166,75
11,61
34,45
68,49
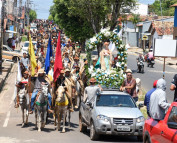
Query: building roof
162,28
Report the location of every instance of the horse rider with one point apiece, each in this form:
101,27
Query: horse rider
75,74
59,82
25,60
91,91
69,83
75,62
41,79
66,60
22,84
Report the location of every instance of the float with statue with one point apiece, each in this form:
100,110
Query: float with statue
113,50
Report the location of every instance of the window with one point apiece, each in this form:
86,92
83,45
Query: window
5,49
115,101
173,115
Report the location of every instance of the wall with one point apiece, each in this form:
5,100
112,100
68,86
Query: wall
141,9
132,39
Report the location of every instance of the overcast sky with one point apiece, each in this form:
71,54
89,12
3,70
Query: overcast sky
43,7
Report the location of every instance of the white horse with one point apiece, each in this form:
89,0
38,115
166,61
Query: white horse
61,107
24,103
41,107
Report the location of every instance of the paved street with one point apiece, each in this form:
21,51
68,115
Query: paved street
10,118
11,131
152,74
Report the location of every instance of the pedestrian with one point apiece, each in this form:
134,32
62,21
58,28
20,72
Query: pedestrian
148,96
25,60
158,101
13,43
129,85
173,87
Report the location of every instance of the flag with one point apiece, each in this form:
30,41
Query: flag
48,55
19,74
32,56
58,65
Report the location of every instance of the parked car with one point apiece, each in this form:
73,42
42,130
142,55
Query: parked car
9,54
113,113
26,46
163,131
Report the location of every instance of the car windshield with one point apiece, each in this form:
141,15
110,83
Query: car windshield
33,27
115,101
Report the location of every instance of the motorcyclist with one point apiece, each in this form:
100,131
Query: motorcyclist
139,60
150,55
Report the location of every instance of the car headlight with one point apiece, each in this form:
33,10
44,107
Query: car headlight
103,117
140,119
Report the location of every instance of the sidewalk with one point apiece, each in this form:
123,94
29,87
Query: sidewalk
6,69
172,62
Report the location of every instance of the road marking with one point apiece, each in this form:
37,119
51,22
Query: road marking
6,120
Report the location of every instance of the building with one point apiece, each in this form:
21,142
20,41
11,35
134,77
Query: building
141,9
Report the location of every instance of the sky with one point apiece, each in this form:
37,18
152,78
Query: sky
43,7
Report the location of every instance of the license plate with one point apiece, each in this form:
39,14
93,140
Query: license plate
123,128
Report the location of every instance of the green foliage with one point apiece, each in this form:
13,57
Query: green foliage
50,18
135,19
166,9
32,15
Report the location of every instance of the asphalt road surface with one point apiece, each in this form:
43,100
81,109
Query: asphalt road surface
152,74
12,132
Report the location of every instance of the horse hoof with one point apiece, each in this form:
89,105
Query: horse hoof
23,124
63,131
39,130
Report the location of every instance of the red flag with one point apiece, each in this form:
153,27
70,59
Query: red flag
58,65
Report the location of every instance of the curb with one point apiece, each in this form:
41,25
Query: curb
4,80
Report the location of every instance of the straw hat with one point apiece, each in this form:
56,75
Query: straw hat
128,71
93,80
67,70
76,58
41,71
26,72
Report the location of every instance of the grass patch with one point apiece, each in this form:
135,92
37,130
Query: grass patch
24,38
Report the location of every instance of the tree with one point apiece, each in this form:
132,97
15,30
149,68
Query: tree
166,9
135,19
50,18
32,15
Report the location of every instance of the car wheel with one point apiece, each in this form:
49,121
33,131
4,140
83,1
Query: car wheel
82,128
93,133
140,138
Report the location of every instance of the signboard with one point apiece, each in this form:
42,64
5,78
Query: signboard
145,37
165,48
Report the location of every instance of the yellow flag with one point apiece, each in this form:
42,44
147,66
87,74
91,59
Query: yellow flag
32,56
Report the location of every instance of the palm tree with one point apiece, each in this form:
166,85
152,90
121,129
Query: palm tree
135,19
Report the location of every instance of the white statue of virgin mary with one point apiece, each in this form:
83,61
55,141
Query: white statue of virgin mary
106,57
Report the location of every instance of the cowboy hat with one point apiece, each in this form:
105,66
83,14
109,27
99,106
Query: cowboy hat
128,71
76,58
41,71
67,70
92,80
26,72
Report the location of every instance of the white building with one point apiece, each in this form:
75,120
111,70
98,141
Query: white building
141,9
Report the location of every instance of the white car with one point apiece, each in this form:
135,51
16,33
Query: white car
33,28
26,46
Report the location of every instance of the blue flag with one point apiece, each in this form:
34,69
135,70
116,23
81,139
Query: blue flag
48,55
175,17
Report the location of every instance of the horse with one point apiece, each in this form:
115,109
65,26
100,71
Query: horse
61,107
41,107
24,103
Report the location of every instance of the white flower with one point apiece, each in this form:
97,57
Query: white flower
121,46
118,65
93,74
122,63
118,57
122,58
99,78
124,75
107,34
125,65
98,70
92,40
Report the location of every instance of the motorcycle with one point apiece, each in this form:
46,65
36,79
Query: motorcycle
140,67
150,63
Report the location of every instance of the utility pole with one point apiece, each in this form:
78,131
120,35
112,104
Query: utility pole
2,32
28,1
